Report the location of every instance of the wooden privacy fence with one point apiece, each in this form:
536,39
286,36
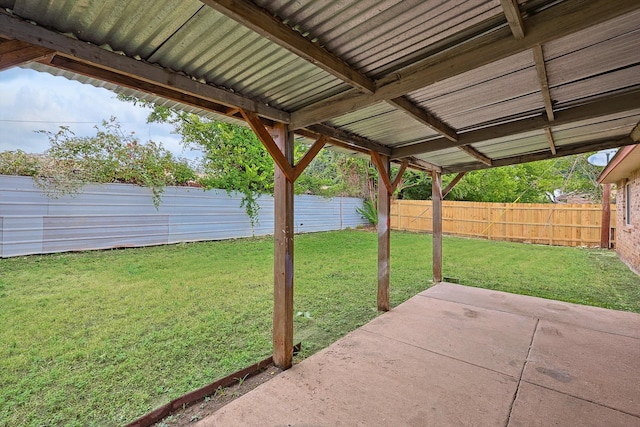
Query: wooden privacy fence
549,224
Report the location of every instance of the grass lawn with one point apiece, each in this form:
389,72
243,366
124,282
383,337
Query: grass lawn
100,338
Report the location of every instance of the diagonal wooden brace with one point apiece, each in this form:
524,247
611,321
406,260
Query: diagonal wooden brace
291,172
391,186
261,131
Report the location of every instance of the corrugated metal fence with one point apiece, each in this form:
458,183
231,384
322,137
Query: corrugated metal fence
550,224
120,215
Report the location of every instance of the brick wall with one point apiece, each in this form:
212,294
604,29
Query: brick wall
628,236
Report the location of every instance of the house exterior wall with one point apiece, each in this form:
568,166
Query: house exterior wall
628,235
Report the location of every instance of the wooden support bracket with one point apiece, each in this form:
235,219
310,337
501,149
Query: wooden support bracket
309,156
291,172
452,184
391,186
261,131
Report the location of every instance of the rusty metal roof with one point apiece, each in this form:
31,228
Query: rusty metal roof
460,84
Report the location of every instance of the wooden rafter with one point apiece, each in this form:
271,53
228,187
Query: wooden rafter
350,139
452,184
514,18
564,150
16,52
552,143
475,153
547,25
602,107
391,186
423,165
424,117
538,57
271,27
137,84
15,28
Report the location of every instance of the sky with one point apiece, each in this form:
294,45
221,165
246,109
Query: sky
31,101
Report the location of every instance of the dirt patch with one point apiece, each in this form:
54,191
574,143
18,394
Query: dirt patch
199,410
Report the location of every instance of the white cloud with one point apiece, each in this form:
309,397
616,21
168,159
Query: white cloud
32,101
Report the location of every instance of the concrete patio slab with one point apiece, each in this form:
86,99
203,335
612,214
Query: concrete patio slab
494,340
540,407
598,319
595,366
460,356
367,380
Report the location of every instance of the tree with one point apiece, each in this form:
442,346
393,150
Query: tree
525,183
110,156
235,160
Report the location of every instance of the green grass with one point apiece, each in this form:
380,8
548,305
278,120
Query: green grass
100,338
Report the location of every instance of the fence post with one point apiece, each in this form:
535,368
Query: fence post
489,222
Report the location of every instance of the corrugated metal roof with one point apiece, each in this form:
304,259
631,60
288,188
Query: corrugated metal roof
383,39
379,35
614,127
384,123
502,89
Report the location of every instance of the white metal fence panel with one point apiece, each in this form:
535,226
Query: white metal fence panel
121,215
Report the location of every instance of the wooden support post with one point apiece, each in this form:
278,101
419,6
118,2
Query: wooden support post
283,255
436,196
384,232
605,230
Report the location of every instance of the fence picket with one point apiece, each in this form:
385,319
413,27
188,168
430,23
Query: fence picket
552,224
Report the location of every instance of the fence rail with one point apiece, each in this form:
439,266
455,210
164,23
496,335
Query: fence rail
550,224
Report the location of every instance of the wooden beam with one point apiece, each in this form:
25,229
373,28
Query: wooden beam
475,153
563,150
514,18
261,131
351,139
552,143
309,156
332,141
271,27
423,164
15,28
283,265
93,71
384,233
538,57
604,106
452,184
436,206
549,24
424,117
16,52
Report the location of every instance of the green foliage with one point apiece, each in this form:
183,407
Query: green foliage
525,183
236,160
369,211
415,186
109,156
19,163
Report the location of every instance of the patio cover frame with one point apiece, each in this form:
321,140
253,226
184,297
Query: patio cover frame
520,27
